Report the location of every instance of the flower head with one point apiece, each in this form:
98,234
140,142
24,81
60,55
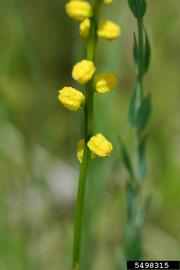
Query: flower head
100,146
108,30
71,98
85,28
104,82
79,10
83,71
80,150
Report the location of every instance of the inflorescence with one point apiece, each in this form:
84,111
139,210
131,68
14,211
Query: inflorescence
84,71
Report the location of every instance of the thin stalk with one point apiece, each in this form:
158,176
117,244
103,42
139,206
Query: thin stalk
133,245
88,132
79,210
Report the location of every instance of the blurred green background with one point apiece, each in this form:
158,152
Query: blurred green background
38,168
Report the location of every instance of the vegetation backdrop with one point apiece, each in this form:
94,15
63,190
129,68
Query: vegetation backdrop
38,165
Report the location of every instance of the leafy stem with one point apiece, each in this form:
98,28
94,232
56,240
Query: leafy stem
139,113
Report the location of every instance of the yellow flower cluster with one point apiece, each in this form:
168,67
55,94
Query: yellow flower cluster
81,10
71,98
84,71
74,99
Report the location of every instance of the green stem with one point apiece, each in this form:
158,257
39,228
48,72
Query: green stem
141,88
79,210
133,244
88,132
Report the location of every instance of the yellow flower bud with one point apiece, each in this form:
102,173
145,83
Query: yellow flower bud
80,150
105,82
108,1
71,98
100,146
108,30
79,10
85,28
83,71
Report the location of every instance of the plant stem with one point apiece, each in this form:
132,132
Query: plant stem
79,210
88,132
133,237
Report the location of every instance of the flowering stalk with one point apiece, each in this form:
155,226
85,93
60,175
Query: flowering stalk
139,114
73,99
88,132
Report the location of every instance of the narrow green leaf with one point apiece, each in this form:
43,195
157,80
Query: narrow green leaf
132,195
133,247
125,157
144,113
134,105
145,208
133,7
138,7
143,7
147,52
136,52
142,159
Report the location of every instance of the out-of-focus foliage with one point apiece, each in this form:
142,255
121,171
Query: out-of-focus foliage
38,166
